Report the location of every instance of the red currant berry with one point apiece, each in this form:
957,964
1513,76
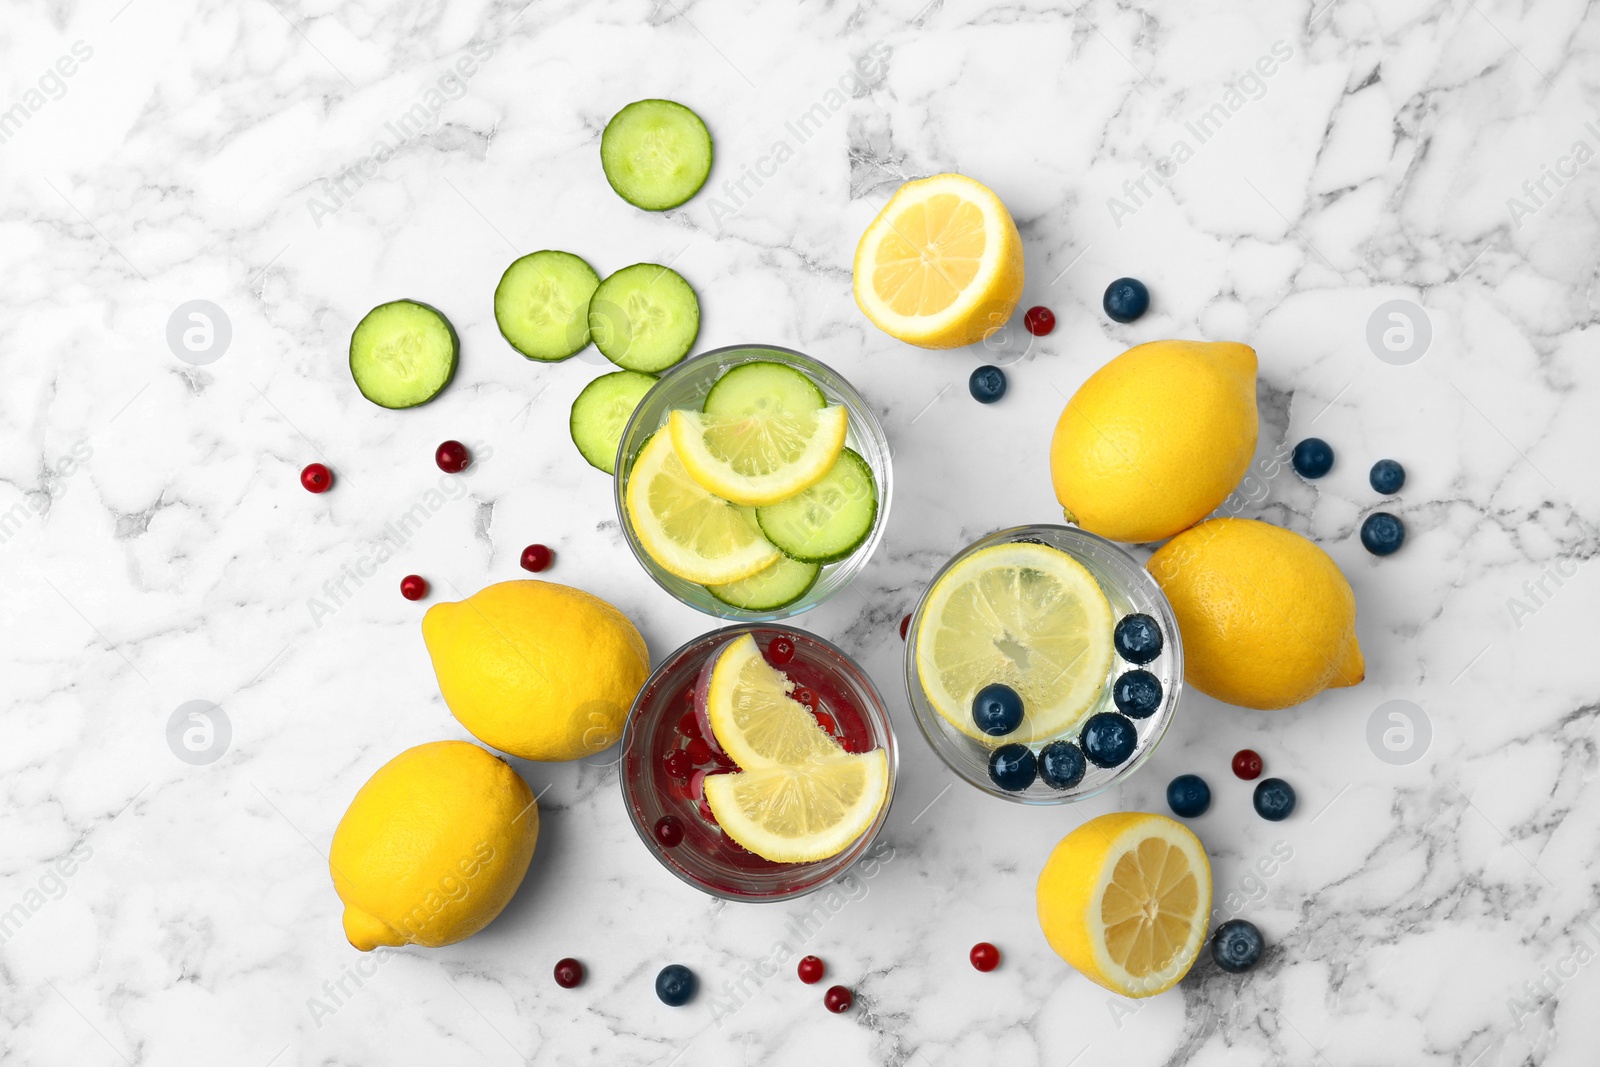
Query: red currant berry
850,744
699,752
825,721
689,724
1246,764
569,972
413,587
985,956
811,969
806,697
316,478
1039,321
724,761
905,624
452,457
679,765
669,832
780,651
536,558
838,999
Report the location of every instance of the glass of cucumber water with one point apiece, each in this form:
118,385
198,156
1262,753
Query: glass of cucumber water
817,540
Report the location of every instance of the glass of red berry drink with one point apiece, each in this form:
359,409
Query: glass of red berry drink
666,757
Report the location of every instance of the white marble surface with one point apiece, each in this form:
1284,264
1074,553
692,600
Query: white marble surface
1440,912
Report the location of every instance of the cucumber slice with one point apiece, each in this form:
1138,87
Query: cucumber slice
644,317
656,154
776,587
542,305
601,411
827,522
763,389
403,353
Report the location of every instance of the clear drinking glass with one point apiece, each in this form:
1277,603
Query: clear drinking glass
1130,589
705,857
685,386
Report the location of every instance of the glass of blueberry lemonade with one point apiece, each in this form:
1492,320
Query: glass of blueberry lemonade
758,763
1043,664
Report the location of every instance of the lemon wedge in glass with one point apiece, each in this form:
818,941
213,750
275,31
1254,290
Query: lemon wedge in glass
1022,614
808,811
759,459
691,533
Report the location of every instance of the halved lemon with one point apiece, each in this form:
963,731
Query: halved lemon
688,531
806,812
941,265
759,459
1125,899
1023,614
753,717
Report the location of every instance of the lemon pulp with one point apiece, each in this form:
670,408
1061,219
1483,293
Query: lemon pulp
1025,615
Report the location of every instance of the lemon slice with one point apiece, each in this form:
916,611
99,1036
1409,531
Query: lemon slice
685,529
806,812
1125,898
759,459
941,265
1023,614
753,717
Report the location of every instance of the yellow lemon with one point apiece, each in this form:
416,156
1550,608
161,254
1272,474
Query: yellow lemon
1156,439
536,669
941,265
1024,614
1125,898
801,812
432,847
1266,617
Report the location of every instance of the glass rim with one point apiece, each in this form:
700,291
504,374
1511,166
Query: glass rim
861,845
924,713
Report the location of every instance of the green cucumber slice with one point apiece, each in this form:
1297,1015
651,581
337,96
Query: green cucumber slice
827,522
403,353
644,317
542,305
601,411
763,389
656,154
778,586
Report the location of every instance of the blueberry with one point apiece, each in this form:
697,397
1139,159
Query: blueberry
1312,458
1012,767
1126,299
1382,533
987,384
675,985
997,710
1137,694
1188,796
1274,799
1138,638
1236,946
1061,765
1109,739
1387,477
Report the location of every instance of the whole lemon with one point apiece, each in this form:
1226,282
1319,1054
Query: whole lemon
539,670
1266,617
432,847
1156,439
1125,898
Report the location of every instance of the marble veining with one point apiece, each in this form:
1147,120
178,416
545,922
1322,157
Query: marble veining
1279,173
